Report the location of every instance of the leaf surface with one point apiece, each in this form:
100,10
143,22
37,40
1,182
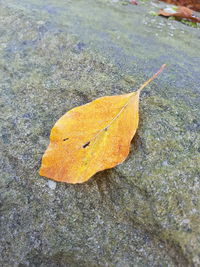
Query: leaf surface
92,137
181,12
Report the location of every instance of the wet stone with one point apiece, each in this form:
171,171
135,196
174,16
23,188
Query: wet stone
144,212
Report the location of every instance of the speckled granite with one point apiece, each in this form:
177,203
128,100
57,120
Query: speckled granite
145,212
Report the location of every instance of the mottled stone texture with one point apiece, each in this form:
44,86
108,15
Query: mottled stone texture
55,55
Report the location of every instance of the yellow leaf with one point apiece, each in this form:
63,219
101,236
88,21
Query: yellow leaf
92,137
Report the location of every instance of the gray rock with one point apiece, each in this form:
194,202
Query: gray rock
144,212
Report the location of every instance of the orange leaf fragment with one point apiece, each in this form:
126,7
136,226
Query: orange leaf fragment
92,137
181,12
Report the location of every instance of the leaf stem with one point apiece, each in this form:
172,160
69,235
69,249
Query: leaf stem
123,108
152,78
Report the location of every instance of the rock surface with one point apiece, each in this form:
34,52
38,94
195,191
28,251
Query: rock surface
145,212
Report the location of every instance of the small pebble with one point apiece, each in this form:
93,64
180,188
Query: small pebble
40,22
52,185
185,221
165,163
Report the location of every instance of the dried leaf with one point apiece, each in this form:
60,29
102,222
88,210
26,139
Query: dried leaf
92,137
180,13
133,2
192,4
